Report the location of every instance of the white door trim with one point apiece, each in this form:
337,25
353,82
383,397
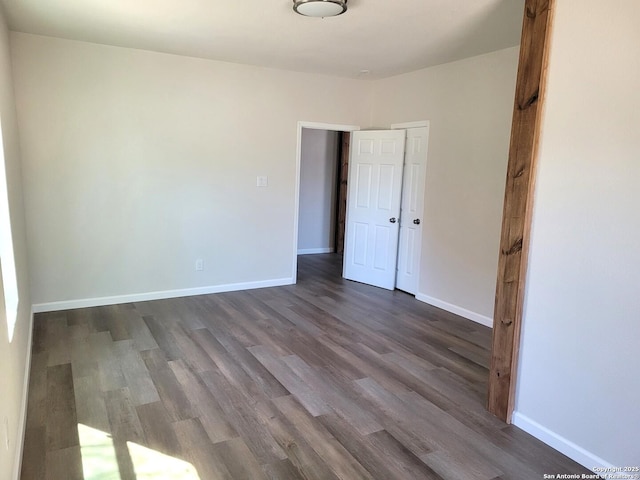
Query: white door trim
407,125
336,127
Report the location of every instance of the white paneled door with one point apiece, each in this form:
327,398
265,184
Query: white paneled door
411,216
373,207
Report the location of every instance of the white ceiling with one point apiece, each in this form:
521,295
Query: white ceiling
385,37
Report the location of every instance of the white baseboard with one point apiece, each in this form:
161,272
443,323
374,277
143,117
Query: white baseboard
143,297
313,251
463,312
563,445
22,420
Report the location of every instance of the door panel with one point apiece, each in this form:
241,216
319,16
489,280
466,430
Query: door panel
382,244
361,234
363,184
373,199
412,209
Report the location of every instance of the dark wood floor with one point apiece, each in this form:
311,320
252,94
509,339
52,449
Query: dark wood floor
322,380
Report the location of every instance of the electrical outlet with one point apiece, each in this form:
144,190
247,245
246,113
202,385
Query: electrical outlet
262,181
199,265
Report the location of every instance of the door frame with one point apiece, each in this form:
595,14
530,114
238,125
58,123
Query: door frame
333,127
408,125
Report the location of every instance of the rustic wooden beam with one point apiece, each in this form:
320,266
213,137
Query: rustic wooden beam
518,205
343,171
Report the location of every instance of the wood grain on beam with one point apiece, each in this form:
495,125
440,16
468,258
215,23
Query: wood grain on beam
518,204
343,171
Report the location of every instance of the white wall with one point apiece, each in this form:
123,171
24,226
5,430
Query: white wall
138,163
579,380
318,184
469,104
13,354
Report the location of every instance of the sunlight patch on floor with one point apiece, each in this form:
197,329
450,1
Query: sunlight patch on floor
151,465
99,460
98,454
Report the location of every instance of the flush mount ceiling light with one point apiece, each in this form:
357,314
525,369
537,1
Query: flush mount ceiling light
320,8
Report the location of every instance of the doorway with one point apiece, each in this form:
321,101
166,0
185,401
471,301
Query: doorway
322,199
319,188
321,193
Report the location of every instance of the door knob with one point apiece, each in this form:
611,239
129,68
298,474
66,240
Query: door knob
393,220
416,221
